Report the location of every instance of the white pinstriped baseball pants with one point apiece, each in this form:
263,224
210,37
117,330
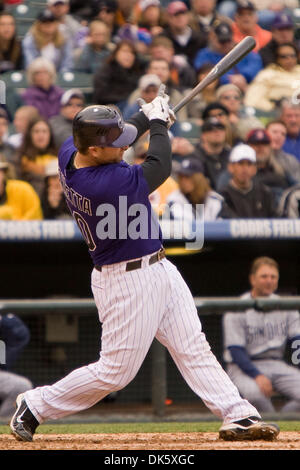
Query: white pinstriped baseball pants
134,307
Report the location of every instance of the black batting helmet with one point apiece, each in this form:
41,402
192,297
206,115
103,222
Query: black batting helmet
102,126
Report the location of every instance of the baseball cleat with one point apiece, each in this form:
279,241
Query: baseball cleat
249,429
23,424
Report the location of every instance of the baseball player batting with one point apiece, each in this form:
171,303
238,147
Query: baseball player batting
139,294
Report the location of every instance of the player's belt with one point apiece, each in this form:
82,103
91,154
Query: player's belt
137,264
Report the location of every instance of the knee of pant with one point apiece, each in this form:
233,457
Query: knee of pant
22,385
113,378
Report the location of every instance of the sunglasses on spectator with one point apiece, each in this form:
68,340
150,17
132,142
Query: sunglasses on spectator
228,97
287,56
221,113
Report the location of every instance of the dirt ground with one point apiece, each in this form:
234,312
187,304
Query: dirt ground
151,441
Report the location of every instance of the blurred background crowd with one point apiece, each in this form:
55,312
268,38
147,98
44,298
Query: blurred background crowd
236,145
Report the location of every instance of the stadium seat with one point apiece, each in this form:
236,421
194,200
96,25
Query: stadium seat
25,12
16,80
84,81
189,130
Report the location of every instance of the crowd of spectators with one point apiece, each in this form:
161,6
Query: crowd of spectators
243,159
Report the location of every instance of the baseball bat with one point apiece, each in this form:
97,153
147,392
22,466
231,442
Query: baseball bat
226,63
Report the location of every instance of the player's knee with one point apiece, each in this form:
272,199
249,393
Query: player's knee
22,385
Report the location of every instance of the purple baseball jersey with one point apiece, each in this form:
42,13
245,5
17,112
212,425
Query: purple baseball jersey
111,206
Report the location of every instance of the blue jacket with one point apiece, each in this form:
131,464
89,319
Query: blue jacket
292,145
15,335
249,66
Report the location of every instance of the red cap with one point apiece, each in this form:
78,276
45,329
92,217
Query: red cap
176,7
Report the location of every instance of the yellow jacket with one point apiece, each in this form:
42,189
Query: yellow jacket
22,202
272,83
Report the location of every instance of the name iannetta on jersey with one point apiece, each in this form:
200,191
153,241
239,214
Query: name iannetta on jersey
77,200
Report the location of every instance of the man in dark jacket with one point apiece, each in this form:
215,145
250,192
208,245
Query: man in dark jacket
243,197
212,150
282,33
186,41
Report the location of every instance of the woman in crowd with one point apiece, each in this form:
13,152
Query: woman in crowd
42,93
276,81
231,97
117,77
44,39
194,199
11,56
36,152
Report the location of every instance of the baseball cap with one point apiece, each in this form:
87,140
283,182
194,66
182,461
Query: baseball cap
223,31
282,21
148,80
50,3
189,166
245,5
110,5
211,107
69,94
144,4
242,152
258,136
210,124
46,17
176,7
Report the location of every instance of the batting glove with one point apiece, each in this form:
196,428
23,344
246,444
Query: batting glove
159,107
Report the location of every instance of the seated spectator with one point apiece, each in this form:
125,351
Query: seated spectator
96,49
22,118
6,149
107,11
277,132
289,203
243,196
182,73
148,86
290,115
220,43
16,336
212,150
204,15
11,56
194,197
220,112
269,170
68,24
44,39
242,123
161,68
158,197
117,77
53,202
186,41
283,32
181,148
255,343
42,92
276,81
18,200
152,16
246,24
196,106
72,101
36,152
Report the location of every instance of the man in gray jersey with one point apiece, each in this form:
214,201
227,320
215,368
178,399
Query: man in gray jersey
255,343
